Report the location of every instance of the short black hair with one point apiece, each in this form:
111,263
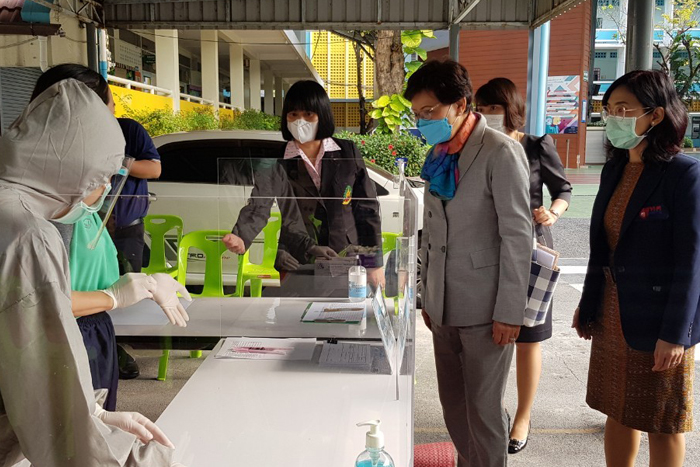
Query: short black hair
90,78
654,88
309,96
447,79
502,91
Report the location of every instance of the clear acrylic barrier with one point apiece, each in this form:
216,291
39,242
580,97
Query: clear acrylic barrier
260,407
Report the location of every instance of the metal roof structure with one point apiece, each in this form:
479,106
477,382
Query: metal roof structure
332,14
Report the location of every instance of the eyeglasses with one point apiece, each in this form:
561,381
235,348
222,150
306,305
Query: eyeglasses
618,111
426,114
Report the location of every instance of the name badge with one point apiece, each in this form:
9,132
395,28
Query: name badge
650,213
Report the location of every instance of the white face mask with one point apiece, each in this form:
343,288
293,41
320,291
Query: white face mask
302,130
496,122
81,210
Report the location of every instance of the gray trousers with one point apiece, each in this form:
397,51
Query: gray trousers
472,373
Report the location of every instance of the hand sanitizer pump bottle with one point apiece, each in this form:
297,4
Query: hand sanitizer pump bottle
357,282
374,455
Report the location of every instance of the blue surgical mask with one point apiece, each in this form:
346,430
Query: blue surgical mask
622,132
81,210
435,131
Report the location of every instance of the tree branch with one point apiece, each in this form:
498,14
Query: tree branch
362,41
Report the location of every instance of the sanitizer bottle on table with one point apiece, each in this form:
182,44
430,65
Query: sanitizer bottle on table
374,455
357,282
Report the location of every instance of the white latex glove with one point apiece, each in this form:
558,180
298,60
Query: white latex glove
134,423
165,296
130,289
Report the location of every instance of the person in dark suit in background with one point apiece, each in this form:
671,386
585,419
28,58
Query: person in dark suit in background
328,178
503,108
641,293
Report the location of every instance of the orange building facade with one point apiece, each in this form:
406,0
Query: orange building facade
491,54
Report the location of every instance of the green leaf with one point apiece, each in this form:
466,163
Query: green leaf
386,111
422,53
411,38
375,114
404,101
428,33
381,102
398,107
413,66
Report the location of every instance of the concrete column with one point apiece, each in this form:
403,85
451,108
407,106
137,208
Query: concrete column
279,98
454,42
210,66
640,35
237,76
168,64
269,87
92,48
537,80
620,62
254,84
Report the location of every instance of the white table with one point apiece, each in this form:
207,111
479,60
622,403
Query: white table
284,414
234,316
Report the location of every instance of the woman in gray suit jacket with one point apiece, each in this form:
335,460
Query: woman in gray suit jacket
476,250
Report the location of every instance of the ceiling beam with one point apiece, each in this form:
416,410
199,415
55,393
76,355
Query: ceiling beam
563,7
467,9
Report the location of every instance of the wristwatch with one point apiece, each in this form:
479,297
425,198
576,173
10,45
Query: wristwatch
556,214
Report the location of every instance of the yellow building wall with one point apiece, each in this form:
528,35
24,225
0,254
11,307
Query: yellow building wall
138,100
334,60
186,106
225,113
347,114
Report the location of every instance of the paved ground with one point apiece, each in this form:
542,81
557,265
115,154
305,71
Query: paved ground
566,433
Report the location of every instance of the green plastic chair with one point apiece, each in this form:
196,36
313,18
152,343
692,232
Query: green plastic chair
389,241
209,242
389,244
157,226
255,273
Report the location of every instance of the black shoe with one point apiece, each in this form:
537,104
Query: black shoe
128,368
517,445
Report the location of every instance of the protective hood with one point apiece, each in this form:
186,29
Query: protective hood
65,144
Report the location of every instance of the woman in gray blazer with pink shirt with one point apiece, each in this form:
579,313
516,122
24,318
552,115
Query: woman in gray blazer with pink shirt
476,250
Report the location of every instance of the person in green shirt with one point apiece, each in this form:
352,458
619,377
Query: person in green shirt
96,284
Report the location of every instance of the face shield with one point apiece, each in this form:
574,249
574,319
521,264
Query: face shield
118,181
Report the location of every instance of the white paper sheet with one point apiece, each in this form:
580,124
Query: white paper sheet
343,312
253,348
345,354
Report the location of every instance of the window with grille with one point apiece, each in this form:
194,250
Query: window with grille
613,54
601,55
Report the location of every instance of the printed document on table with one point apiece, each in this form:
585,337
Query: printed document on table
345,354
253,348
325,312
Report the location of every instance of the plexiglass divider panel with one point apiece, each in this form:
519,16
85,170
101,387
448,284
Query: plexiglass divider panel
293,357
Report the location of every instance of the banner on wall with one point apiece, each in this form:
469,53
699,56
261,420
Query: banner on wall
562,104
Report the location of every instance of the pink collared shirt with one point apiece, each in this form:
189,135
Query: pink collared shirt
292,150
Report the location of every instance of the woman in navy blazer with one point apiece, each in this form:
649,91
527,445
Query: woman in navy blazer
642,290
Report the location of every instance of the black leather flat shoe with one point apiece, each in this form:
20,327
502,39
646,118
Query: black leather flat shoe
128,368
517,445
